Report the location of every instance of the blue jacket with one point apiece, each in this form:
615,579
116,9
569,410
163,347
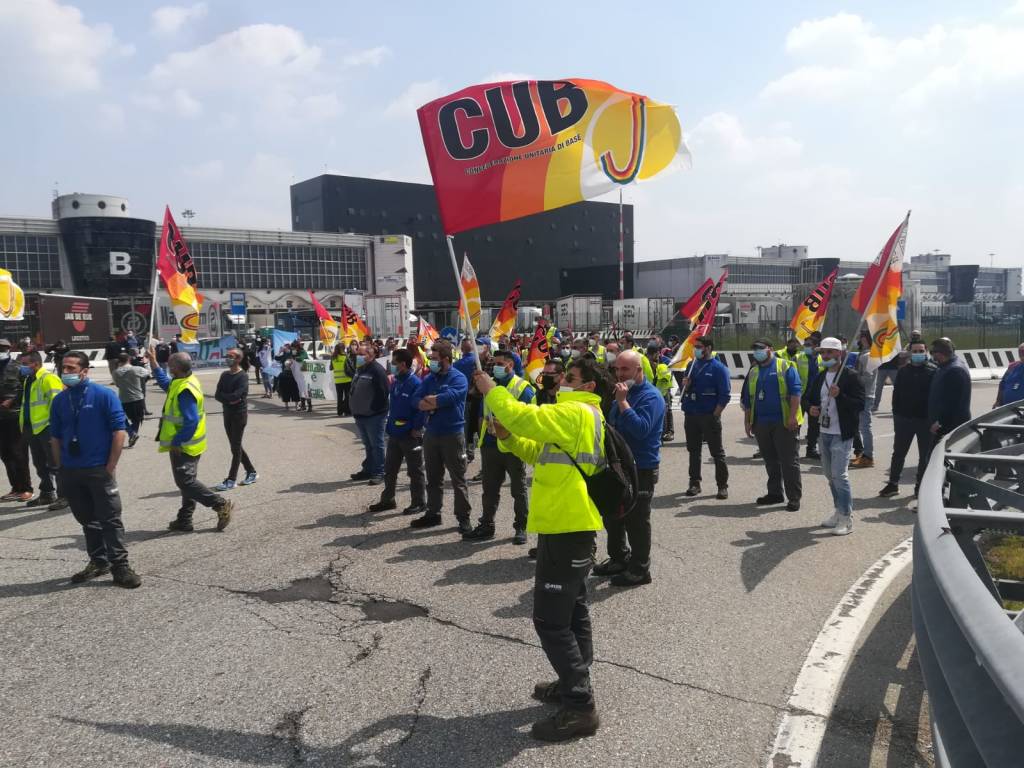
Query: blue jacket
450,389
100,415
949,399
1011,387
403,417
641,424
709,386
466,365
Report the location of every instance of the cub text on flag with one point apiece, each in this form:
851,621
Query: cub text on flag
499,151
505,321
810,315
12,298
352,326
178,272
693,304
877,297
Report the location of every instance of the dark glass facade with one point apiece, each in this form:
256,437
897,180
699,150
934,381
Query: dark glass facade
89,243
227,265
33,261
574,249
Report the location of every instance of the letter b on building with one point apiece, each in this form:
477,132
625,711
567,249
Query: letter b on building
120,263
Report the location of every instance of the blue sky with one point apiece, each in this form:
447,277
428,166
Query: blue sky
810,123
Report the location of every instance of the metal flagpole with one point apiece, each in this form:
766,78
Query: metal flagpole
152,305
622,251
458,283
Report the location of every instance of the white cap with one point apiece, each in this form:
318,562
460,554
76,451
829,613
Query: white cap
831,342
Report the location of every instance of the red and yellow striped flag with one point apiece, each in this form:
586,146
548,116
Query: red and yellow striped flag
505,322
471,287
810,315
180,278
538,354
878,295
352,326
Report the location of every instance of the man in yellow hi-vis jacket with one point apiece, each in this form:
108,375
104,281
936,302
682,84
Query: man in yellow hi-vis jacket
566,521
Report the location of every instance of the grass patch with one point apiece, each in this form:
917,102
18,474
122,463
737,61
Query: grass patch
1004,556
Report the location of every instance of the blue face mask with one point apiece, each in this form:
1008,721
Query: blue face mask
394,369
360,360
435,366
698,352
918,358
761,355
24,370
71,379
830,363
808,350
501,374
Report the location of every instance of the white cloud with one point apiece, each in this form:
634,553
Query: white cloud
721,136
111,117
371,57
184,104
502,77
168,19
212,170
414,97
51,45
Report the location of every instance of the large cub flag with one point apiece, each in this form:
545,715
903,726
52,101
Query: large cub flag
12,298
330,329
810,315
180,278
500,151
878,297
700,325
505,321
352,326
693,305
471,287
538,354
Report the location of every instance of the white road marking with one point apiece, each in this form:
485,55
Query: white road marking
810,705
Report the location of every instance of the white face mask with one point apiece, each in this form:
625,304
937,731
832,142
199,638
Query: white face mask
610,357
5,355
563,389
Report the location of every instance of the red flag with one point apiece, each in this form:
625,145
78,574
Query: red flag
879,269
538,354
179,275
695,302
702,324
329,327
810,315
352,326
506,318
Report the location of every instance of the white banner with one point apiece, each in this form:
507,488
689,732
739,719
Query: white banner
319,379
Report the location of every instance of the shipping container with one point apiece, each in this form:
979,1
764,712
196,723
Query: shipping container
384,315
580,313
526,318
642,314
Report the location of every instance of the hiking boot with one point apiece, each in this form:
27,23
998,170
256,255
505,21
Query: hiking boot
771,498
177,524
382,506
566,724
830,521
60,503
224,514
125,577
414,509
427,521
610,567
133,440
547,692
250,478
890,490
91,571
226,485
723,493
519,537
693,490
42,500
482,532
863,462
844,526
465,528
793,506
631,578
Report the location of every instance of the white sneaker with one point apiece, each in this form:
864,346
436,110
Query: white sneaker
844,526
830,522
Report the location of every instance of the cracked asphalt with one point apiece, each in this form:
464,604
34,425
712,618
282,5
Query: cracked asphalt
312,632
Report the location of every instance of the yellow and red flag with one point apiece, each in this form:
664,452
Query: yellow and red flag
701,325
352,326
810,315
178,271
471,287
692,305
330,329
505,321
12,298
877,297
538,353
427,334
500,151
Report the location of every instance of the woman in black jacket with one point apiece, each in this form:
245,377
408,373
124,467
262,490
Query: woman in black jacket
837,400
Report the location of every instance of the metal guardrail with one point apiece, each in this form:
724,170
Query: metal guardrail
970,648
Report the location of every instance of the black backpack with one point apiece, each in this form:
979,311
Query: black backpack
615,487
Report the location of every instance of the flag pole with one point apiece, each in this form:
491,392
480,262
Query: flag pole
458,283
622,251
152,304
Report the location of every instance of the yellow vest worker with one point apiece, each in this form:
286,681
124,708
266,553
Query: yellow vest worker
338,368
42,386
39,389
172,419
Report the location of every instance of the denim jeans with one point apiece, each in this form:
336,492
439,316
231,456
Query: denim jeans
867,438
835,465
371,432
881,377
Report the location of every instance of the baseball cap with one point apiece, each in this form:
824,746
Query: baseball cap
4,343
831,342
763,343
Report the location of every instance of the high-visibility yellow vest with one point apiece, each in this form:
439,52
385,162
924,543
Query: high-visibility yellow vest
662,378
170,420
516,386
338,366
781,366
599,353
648,370
802,361
43,389
559,502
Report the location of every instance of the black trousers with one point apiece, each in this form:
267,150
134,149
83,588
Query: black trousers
907,430
42,459
701,428
474,406
14,454
813,432
409,449
669,427
96,504
343,388
440,453
134,413
186,471
630,540
561,615
234,426
495,466
779,452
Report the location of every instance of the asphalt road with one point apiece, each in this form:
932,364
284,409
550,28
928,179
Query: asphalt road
314,633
